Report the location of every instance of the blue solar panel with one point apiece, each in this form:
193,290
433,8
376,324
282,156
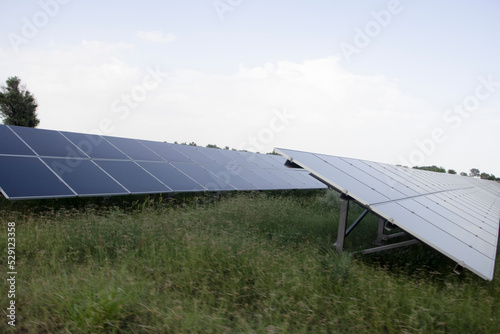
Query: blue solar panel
253,160
297,179
95,146
194,154
79,164
264,162
134,149
28,177
171,176
277,182
208,180
134,178
229,177
166,151
253,178
226,159
84,177
239,159
276,160
48,143
11,144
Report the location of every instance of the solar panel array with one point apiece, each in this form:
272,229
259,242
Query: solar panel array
459,216
37,163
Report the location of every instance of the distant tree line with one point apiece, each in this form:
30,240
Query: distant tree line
227,148
474,172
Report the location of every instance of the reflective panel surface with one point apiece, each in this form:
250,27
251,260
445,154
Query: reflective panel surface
11,144
459,216
134,178
85,178
48,143
28,177
78,164
95,146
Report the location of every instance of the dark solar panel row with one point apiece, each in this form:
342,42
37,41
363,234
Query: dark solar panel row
37,163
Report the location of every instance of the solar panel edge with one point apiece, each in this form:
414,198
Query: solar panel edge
21,198
323,178
4,193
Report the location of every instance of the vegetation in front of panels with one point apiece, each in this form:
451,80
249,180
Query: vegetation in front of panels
250,262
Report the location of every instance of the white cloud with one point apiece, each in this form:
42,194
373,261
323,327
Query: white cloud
155,36
335,111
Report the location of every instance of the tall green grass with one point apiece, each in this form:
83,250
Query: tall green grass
245,263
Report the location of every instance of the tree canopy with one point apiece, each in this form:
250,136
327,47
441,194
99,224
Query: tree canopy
432,168
486,176
18,105
474,172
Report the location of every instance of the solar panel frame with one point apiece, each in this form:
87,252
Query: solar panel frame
12,144
204,177
21,177
253,178
166,151
448,212
229,176
86,178
178,182
118,164
133,177
48,143
95,146
276,181
133,149
195,154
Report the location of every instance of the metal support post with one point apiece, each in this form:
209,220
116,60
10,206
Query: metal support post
344,210
380,233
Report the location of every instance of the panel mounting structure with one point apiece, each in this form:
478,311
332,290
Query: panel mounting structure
456,215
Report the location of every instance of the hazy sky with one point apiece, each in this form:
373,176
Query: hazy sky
403,82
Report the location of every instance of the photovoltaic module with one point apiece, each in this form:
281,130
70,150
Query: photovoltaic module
459,216
36,163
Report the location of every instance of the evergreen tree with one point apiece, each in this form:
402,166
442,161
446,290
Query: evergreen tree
18,105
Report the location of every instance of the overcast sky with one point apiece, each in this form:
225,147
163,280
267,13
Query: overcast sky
403,82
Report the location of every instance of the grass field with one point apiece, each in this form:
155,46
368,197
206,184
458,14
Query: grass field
243,263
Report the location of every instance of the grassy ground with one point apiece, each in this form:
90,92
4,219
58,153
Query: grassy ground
247,263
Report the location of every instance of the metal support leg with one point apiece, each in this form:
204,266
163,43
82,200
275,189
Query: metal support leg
356,222
391,246
344,210
380,233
